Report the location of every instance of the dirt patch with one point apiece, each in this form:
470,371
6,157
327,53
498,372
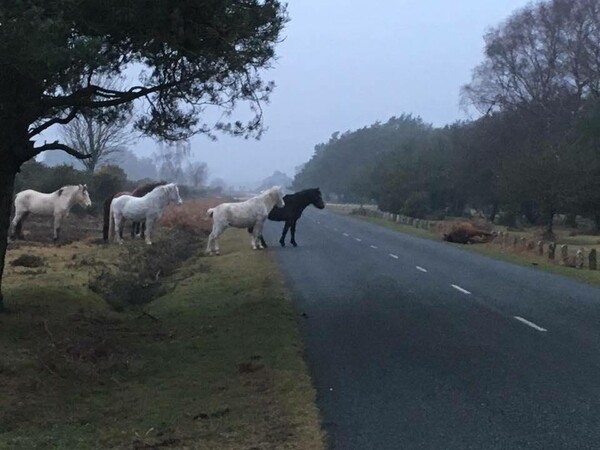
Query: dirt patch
28,260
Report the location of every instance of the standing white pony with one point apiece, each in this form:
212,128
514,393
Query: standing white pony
148,208
57,204
249,214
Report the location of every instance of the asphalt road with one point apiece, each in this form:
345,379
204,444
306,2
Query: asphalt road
417,344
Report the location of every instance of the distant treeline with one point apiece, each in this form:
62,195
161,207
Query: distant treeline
534,153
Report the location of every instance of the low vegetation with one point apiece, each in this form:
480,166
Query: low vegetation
211,358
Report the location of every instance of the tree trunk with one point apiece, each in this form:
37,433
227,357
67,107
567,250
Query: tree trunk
7,182
494,212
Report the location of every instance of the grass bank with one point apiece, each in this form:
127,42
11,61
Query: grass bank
216,363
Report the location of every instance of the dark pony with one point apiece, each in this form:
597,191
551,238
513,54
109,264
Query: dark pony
291,212
139,191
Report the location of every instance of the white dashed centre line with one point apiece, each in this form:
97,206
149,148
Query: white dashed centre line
421,269
530,324
394,256
346,234
372,246
458,288
358,240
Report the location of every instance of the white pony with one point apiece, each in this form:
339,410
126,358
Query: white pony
249,214
148,208
57,204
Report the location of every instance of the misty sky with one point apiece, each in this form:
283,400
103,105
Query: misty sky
345,64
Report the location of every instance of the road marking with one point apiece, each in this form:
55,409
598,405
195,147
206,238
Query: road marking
531,324
421,269
458,288
372,246
358,240
394,256
346,234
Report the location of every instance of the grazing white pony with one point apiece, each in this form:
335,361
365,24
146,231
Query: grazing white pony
251,213
57,204
148,208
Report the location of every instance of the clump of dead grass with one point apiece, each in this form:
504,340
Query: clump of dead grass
141,272
191,216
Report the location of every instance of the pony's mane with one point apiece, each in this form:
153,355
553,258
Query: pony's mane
67,188
308,191
142,190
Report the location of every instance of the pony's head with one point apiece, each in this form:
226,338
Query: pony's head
277,194
315,198
82,196
173,191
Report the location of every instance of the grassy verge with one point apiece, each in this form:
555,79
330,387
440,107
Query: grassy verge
496,251
214,364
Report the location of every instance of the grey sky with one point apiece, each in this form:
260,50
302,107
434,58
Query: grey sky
345,64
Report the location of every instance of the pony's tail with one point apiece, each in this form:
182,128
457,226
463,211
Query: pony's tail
107,215
111,223
209,212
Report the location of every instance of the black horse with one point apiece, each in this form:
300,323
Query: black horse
291,212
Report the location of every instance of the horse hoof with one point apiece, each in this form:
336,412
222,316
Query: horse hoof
148,243
282,244
294,244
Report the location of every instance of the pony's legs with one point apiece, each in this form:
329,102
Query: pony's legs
121,227
57,222
141,230
293,232
17,225
286,227
213,243
149,226
134,228
119,222
262,241
256,235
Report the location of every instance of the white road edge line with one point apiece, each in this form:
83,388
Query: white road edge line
358,240
372,246
531,324
394,256
421,269
458,288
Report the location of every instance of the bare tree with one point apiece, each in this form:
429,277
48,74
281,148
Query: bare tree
197,173
170,158
100,136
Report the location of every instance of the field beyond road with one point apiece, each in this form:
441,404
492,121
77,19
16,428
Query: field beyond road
212,359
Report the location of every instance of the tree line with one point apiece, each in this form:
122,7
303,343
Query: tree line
533,153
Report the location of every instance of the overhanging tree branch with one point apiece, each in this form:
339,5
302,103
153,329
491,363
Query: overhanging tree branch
55,121
58,146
